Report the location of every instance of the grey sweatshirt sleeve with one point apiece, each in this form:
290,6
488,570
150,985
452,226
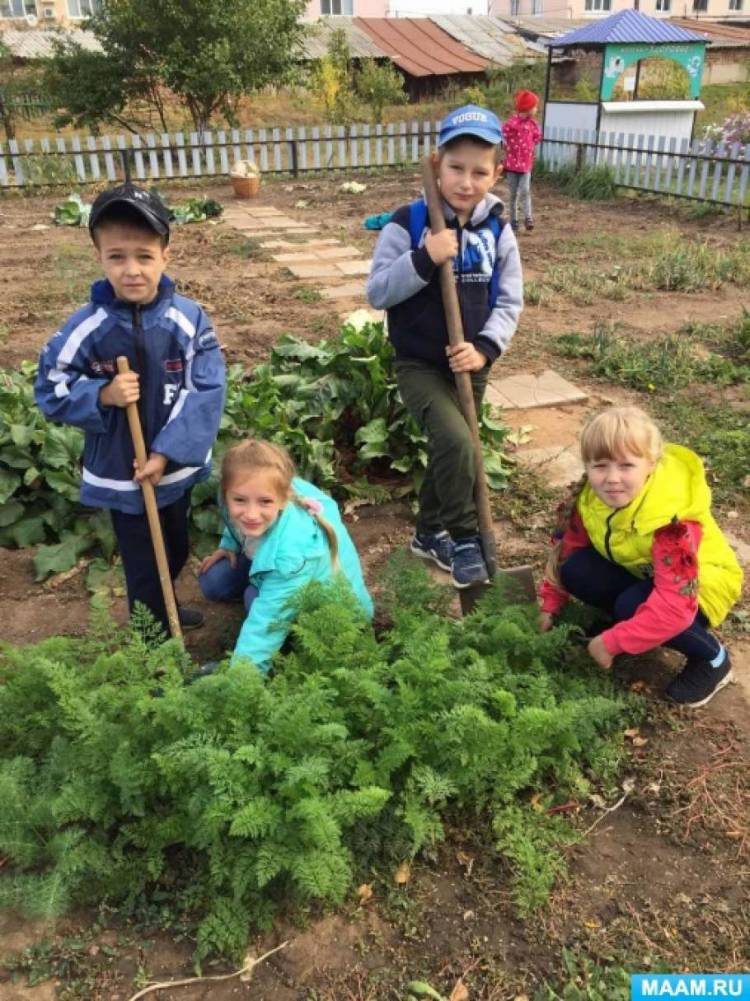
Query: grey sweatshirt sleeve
397,272
503,320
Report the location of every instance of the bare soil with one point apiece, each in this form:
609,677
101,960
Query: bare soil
664,877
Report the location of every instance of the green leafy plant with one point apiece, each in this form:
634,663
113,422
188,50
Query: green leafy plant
379,85
72,212
235,794
334,405
586,980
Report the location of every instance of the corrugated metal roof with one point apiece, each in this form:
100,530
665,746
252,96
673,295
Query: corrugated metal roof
36,43
719,35
541,26
625,27
490,37
420,47
360,44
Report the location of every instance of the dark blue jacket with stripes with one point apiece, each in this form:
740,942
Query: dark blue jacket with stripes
172,346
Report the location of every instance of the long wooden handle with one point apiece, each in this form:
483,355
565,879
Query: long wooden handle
463,379
152,512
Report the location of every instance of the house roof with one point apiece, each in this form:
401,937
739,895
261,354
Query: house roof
361,46
490,37
420,47
36,43
624,27
719,35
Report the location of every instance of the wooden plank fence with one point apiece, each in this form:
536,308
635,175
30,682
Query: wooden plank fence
700,170
156,157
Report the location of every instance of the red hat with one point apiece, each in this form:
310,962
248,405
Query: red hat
526,100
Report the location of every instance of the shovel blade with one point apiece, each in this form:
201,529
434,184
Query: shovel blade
518,585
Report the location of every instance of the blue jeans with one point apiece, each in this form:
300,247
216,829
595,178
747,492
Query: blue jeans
592,579
519,185
222,582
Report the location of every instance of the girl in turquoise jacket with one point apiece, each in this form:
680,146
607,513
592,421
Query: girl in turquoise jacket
281,532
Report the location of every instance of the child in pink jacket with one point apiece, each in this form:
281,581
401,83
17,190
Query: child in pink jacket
520,135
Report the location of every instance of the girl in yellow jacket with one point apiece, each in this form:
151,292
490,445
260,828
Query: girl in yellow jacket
641,544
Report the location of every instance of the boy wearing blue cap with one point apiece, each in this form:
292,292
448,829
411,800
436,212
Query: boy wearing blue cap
177,380
405,280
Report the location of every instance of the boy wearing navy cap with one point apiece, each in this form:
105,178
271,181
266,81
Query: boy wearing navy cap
405,280
177,379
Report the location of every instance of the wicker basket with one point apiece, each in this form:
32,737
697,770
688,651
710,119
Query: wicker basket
245,187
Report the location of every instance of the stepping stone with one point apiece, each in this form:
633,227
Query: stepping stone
556,465
334,252
310,257
263,210
319,270
283,245
525,391
352,290
354,267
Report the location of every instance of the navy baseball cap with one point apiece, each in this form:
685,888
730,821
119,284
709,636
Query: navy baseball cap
471,120
148,205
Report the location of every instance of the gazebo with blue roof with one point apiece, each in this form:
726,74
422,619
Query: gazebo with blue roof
607,49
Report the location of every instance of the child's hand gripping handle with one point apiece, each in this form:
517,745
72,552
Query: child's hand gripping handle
152,512
463,379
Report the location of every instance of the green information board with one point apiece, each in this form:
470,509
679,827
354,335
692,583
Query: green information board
617,58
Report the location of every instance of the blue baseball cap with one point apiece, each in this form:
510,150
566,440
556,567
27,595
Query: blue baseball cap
471,120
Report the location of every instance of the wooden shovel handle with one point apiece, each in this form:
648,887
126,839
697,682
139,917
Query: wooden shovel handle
463,379
152,512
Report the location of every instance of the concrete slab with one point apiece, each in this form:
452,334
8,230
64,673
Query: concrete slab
525,391
319,270
343,252
311,246
558,466
288,258
352,290
262,210
354,267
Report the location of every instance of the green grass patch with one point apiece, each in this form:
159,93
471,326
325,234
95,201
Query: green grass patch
234,797
663,363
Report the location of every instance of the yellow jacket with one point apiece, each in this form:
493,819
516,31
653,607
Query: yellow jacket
676,489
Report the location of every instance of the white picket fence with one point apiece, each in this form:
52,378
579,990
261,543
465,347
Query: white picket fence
700,170
167,156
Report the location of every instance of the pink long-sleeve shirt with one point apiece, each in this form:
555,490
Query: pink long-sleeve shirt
520,136
671,606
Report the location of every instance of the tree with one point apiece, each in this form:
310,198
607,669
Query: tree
378,85
15,80
332,79
206,52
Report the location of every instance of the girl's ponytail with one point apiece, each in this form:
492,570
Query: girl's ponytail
333,543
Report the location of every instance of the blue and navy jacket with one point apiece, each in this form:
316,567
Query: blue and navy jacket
172,346
405,281
293,552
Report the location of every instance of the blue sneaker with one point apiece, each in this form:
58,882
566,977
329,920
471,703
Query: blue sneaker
699,681
435,546
468,563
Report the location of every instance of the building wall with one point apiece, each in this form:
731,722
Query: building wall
601,8
357,8
47,12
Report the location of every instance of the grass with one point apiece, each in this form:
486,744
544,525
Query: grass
304,293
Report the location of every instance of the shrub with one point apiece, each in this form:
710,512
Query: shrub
234,794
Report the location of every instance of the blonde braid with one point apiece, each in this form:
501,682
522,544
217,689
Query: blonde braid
327,527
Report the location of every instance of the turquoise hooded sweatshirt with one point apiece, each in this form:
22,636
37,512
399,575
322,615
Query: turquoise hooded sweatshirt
293,552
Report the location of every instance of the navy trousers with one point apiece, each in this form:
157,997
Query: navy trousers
596,581
137,551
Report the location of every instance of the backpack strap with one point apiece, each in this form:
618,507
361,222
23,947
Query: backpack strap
418,222
496,225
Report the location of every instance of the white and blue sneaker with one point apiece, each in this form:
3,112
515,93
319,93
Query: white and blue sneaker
468,563
699,681
435,546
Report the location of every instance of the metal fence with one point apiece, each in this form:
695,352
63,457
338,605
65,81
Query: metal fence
211,154
700,170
